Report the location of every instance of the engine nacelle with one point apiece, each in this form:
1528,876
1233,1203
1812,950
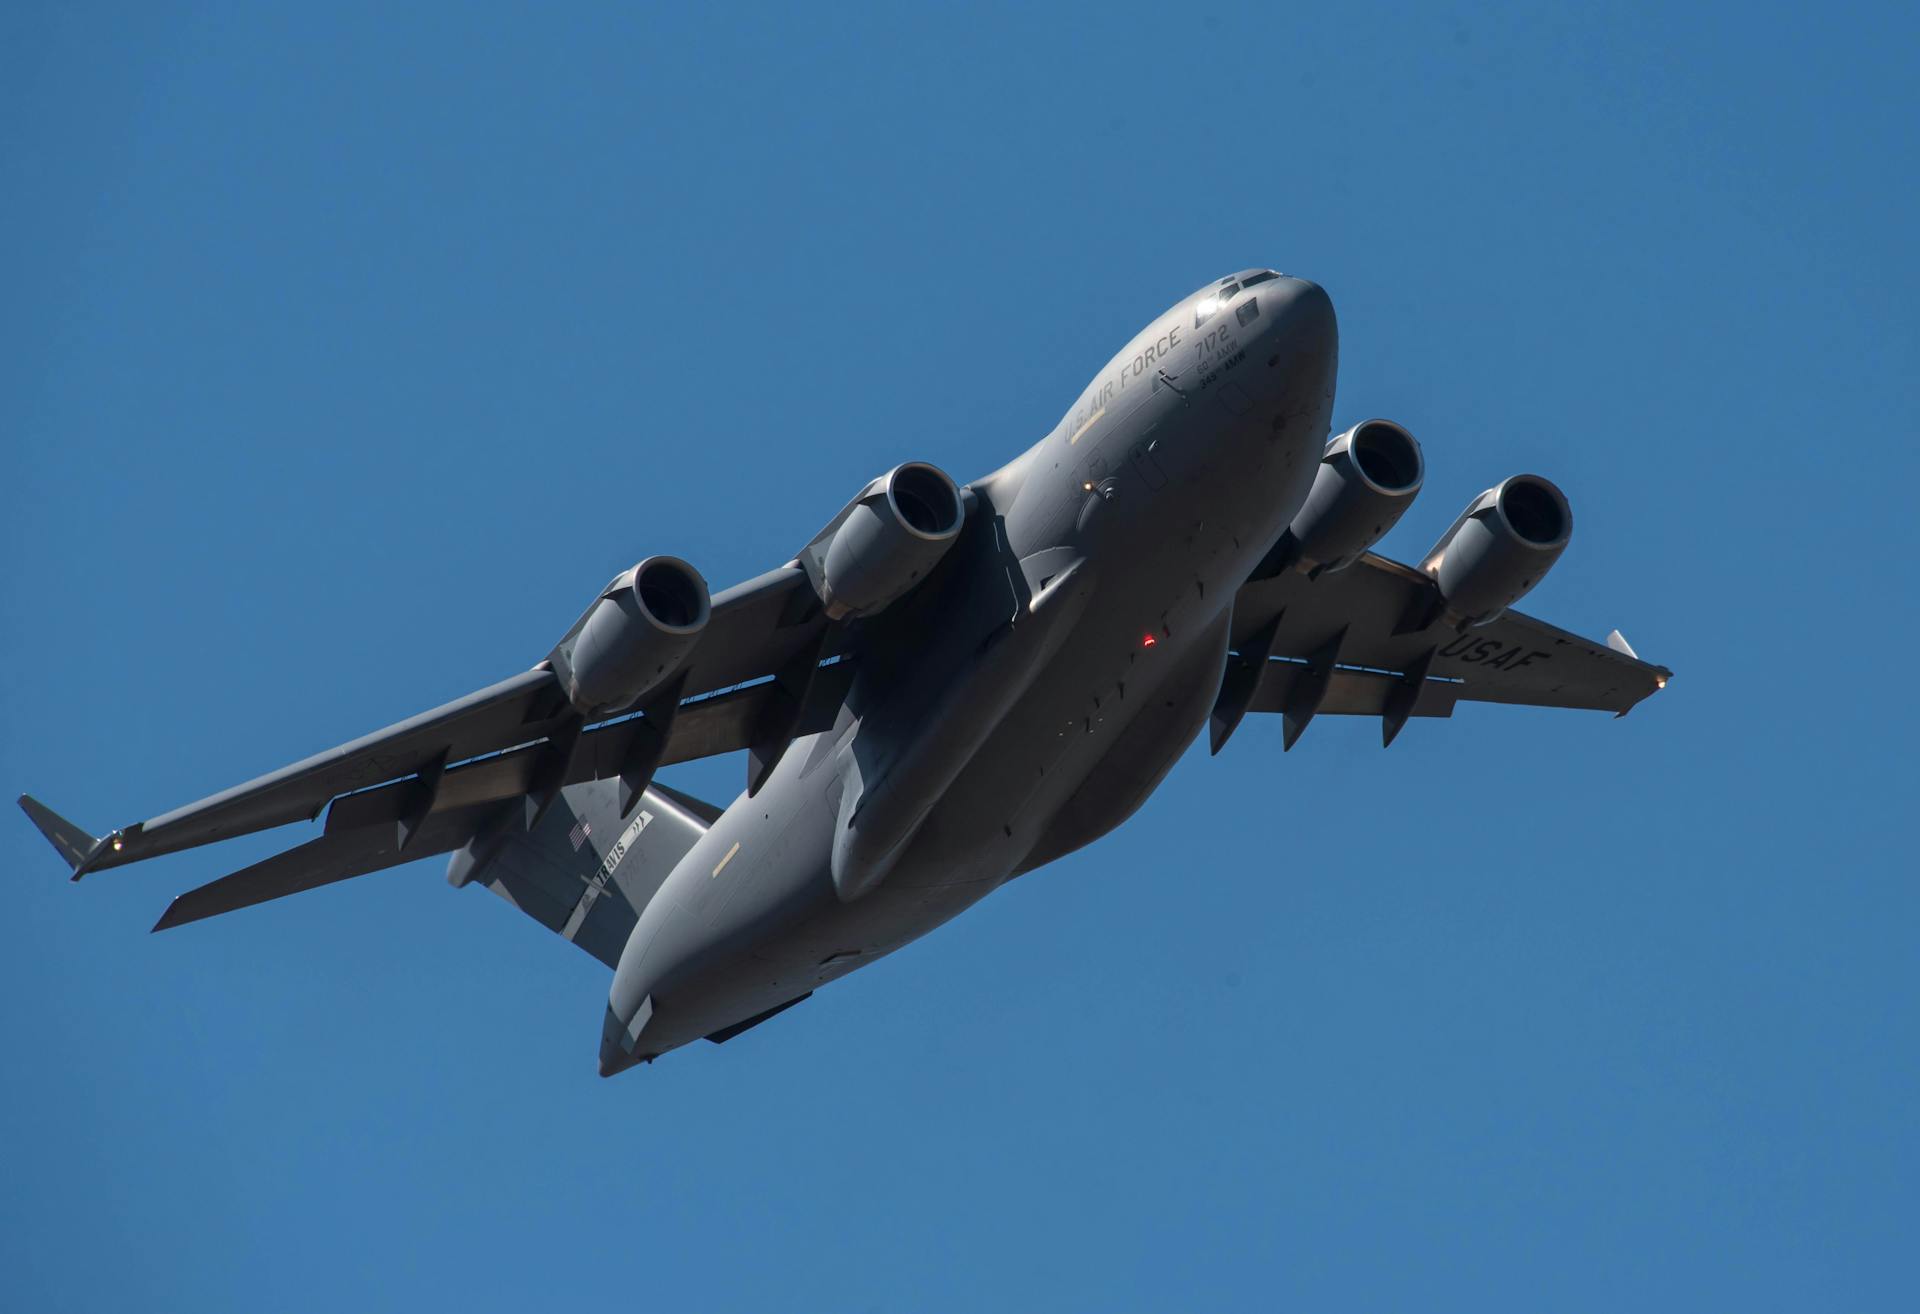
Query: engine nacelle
1367,478
895,532
1502,545
639,632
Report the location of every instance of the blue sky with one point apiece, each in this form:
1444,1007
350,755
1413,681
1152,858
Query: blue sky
344,350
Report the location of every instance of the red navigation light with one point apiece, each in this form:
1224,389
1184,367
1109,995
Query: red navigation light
1147,641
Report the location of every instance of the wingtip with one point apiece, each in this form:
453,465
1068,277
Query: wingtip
76,847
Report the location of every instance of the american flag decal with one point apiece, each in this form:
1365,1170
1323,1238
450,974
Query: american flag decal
579,833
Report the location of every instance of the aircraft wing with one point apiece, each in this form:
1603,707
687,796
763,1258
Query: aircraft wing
1362,641
521,737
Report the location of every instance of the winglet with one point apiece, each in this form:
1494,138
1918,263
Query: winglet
81,850
1618,642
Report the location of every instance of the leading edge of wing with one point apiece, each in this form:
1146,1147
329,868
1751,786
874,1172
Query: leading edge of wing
502,715
757,628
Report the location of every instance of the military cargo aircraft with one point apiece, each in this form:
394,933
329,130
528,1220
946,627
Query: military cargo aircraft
946,688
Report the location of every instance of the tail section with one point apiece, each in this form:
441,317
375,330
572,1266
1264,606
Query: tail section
586,869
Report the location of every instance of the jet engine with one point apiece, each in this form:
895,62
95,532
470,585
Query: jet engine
887,541
1502,545
1368,476
640,631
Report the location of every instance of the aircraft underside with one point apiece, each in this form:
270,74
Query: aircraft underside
947,687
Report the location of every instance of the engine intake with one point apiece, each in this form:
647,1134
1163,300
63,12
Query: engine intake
1368,477
887,541
638,633
1502,545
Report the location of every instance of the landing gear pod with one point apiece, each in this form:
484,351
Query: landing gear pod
1367,478
1502,545
640,631
887,541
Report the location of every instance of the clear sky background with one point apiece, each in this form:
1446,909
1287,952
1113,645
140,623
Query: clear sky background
344,351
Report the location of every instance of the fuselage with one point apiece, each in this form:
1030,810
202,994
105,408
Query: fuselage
1026,698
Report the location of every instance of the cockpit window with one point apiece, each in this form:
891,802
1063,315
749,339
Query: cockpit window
1204,309
1265,275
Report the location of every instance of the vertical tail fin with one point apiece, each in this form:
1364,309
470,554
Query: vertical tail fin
587,869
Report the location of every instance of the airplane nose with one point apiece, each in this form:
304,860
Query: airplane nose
1302,337
1304,313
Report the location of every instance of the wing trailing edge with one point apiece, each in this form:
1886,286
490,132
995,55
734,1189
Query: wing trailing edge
1368,641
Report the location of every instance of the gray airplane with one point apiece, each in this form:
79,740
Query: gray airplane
947,688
